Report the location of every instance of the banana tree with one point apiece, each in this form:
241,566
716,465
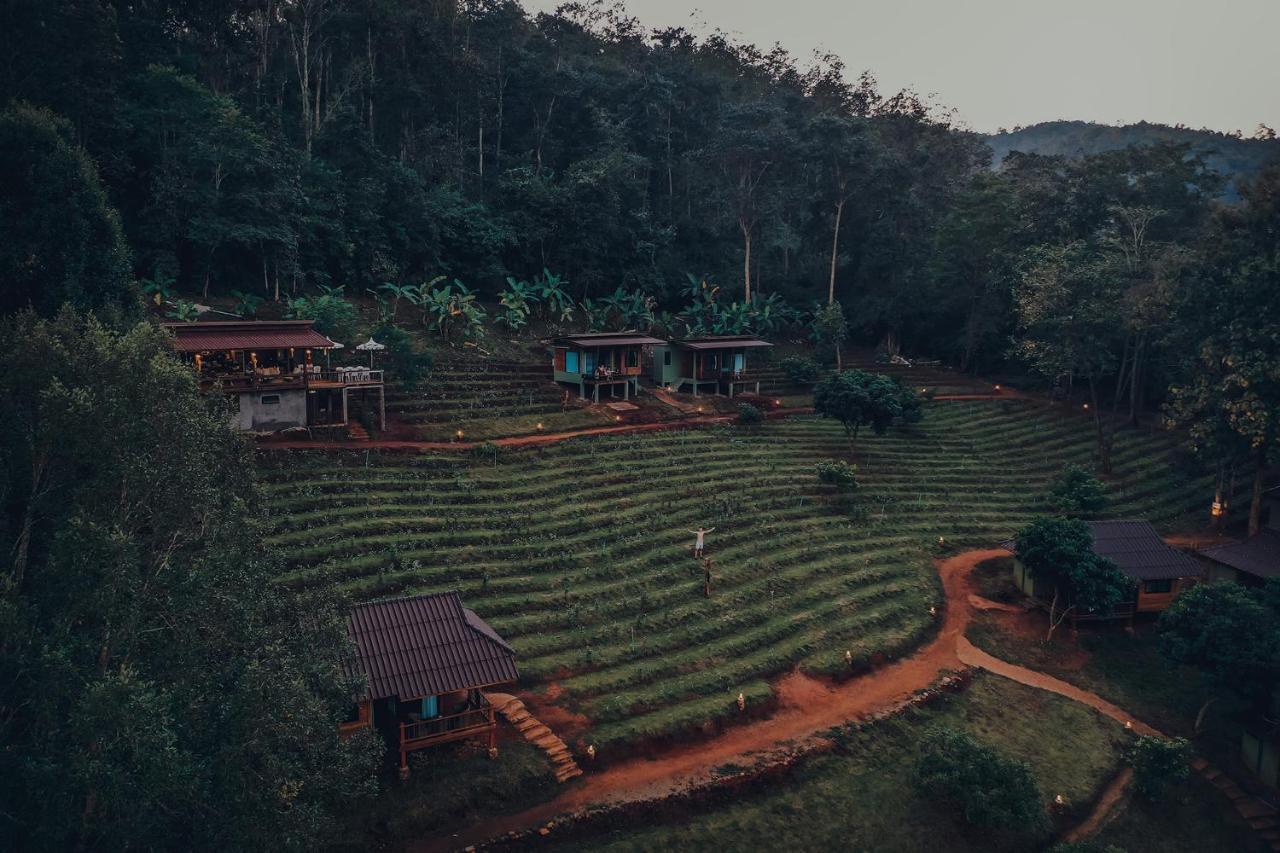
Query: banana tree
159,287
452,309
556,301
412,293
597,314
517,300
184,311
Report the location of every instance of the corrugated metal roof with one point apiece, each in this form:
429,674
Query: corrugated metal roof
597,339
722,342
246,335
1259,555
1138,550
427,645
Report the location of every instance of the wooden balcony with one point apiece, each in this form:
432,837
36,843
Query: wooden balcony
422,733
316,378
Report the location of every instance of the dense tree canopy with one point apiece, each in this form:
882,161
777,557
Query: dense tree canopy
158,688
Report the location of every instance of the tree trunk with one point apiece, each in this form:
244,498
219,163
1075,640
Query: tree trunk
1255,505
1104,440
746,260
1136,379
835,251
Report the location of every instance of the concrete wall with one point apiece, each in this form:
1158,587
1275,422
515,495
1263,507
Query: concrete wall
258,414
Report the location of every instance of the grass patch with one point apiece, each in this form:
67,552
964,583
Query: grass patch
1192,819
448,788
1125,669
993,579
478,429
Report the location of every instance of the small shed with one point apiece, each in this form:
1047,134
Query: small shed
1251,562
1159,571
426,660
718,364
593,360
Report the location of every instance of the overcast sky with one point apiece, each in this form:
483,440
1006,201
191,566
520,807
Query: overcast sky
1210,63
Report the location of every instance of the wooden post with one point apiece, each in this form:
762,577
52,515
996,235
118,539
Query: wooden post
382,408
344,404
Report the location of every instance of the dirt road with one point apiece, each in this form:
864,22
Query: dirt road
795,724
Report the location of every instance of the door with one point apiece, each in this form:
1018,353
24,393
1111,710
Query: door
739,362
589,362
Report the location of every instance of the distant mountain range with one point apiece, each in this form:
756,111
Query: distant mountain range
1230,155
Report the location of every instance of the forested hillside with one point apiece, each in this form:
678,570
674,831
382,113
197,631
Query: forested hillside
1234,157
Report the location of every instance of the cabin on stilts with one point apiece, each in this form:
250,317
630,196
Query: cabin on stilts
592,361
715,364
271,371
426,661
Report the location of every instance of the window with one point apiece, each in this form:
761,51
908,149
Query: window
1157,586
269,399
571,361
589,362
666,358
633,358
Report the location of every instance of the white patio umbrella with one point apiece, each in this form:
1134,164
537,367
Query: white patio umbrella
370,346
333,346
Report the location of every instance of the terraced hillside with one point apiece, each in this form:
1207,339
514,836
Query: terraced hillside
467,394
578,552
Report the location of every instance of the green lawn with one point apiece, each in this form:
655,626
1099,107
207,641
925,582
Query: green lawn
579,552
861,798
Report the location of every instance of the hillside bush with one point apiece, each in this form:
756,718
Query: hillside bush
1159,764
990,789
1077,492
800,369
749,415
838,473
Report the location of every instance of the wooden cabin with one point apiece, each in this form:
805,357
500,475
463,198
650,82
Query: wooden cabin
1159,571
270,369
1256,559
715,364
427,661
592,361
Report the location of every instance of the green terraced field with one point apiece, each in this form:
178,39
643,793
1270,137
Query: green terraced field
578,552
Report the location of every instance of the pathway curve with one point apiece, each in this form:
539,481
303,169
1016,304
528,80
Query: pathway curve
796,725
971,655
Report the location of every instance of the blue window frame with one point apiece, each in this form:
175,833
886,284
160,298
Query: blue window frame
571,361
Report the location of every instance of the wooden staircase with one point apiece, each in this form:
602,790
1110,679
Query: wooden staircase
537,734
356,431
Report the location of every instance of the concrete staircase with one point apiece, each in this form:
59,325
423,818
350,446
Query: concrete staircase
356,431
537,734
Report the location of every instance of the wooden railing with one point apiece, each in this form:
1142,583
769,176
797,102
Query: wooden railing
447,727
240,381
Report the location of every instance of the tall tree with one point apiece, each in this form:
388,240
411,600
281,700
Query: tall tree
160,689
60,238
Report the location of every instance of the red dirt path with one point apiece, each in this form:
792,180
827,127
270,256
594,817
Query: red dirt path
808,708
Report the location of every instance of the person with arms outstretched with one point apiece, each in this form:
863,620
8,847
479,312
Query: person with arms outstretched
701,541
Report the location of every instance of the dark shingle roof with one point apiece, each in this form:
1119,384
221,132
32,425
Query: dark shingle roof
426,645
1138,550
721,342
1258,555
246,335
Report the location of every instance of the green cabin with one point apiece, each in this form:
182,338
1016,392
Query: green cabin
592,361
715,364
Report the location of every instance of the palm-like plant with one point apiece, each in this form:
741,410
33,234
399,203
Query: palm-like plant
517,300
183,310
597,314
452,309
550,289
159,287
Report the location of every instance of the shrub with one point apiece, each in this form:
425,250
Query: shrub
1159,764
838,473
488,451
409,365
749,415
1077,492
800,369
333,315
991,790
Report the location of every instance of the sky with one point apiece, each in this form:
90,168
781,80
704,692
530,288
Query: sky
1003,63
